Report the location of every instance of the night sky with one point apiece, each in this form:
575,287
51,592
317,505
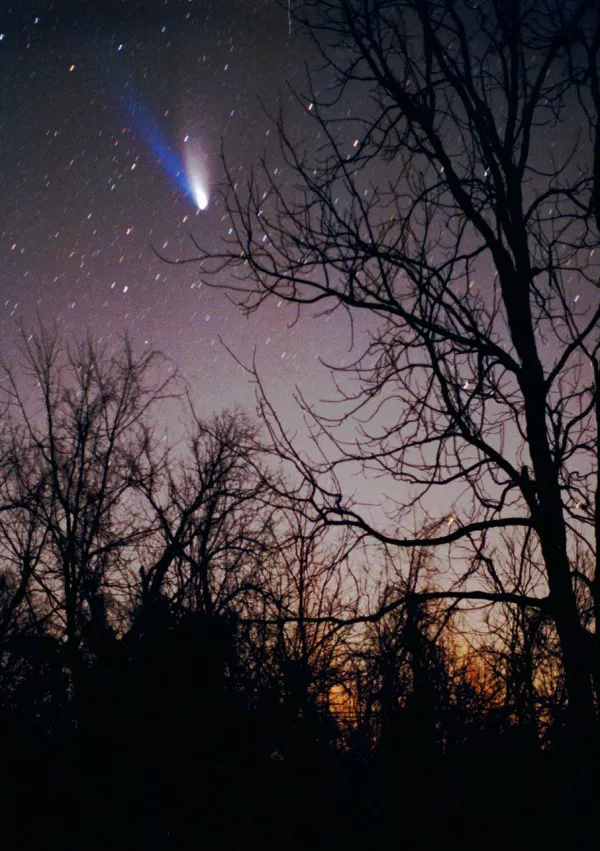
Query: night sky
102,104
112,118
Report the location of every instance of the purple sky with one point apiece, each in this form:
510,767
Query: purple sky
96,102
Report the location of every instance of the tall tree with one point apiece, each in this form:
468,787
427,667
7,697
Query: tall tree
311,594
74,418
459,209
210,515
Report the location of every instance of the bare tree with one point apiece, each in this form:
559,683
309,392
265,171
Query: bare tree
207,502
74,417
458,208
312,592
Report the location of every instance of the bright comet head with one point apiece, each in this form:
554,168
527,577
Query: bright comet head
200,195
196,173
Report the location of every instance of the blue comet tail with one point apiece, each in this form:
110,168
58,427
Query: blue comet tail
145,125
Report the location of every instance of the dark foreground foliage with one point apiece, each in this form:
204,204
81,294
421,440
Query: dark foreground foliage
188,660
168,745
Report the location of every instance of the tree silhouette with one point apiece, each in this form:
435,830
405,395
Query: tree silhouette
459,209
74,418
210,515
191,655
308,572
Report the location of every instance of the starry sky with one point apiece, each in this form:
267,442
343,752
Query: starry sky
112,113
102,106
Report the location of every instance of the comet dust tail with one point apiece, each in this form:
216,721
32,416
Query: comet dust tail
196,173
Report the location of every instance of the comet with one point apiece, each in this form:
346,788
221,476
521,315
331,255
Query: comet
185,164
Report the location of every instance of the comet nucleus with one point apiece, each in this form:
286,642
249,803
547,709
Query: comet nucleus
200,195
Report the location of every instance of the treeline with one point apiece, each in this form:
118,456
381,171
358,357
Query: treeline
188,660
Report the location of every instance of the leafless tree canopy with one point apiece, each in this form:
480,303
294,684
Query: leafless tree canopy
459,210
171,612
